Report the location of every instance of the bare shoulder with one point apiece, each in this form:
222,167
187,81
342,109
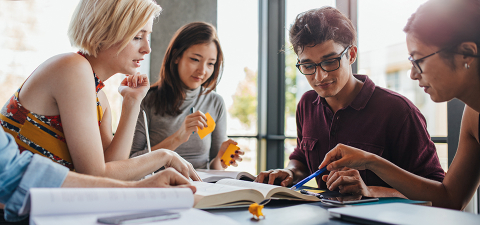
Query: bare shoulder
57,77
68,70
68,63
62,67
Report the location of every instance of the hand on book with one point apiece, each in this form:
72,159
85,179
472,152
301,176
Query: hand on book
166,178
283,177
234,157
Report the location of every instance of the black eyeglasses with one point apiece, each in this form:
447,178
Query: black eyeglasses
327,65
416,61
416,65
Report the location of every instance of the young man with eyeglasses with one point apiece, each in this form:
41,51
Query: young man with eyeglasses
344,108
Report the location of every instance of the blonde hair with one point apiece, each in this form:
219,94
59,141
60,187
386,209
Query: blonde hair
98,24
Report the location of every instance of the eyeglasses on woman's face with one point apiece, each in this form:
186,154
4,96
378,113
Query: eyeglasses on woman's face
415,62
327,65
416,65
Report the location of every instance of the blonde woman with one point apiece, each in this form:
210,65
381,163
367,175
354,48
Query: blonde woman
60,111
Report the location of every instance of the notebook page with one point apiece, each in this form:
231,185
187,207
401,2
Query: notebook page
58,201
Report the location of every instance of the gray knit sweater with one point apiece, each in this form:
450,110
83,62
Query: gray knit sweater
197,151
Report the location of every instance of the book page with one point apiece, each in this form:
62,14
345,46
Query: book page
57,201
262,188
216,175
207,189
269,190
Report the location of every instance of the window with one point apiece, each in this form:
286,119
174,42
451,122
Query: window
383,57
295,83
238,86
30,33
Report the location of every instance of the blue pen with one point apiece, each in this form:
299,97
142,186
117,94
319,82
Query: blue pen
191,111
301,183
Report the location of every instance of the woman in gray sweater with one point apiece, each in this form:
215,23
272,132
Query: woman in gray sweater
176,104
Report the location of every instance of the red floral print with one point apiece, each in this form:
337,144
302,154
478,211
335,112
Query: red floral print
12,106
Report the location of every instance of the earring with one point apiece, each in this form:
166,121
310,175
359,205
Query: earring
467,66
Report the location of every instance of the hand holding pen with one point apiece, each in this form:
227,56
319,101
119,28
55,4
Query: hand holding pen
313,175
193,121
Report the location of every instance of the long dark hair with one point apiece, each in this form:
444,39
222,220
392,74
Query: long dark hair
168,92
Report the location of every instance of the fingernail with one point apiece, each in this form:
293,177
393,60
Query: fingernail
221,160
231,161
236,151
232,155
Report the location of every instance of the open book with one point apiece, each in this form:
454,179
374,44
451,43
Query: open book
230,192
85,205
212,176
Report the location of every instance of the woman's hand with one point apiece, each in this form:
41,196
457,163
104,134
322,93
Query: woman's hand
180,164
345,156
166,178
191,124
347,181
236,157
134,86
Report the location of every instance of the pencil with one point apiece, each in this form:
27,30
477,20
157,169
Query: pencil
146,132
192,110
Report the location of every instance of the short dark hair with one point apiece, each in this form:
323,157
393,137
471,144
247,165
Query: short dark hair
446,24
316,26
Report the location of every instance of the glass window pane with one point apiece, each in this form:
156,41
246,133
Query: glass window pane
238,85
30,33
383,56
442,152
290,145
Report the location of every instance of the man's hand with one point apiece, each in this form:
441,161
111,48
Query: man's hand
166,178
347,181
284,176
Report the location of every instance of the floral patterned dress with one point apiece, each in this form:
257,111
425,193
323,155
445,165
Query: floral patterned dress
40,134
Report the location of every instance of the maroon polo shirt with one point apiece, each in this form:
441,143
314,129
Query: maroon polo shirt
378,120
